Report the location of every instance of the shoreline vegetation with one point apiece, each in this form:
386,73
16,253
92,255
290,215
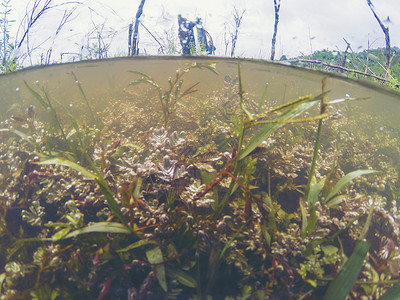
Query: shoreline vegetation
379,64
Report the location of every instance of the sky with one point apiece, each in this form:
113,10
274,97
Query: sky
304,26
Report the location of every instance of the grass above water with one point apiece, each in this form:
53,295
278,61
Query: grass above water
108,211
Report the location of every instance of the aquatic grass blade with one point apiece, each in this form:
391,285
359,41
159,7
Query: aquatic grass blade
335,201
315,189
393,293
54,121
105,189
105,227
61,161
140,73
346,180
263,98
19,133
182,276
37,96
265,132
137,244
312,220
212,66
155,258
228,244
61,234
342,284
293,103
108,194
290,121
84,97
2,279
344,100
191,89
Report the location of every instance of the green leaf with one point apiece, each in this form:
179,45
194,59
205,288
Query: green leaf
270,128
60,161
315,189
155,257
183,277
342,284
393,293
304,220
346,180
263,98
37,96
329,250
312,221
137,244
335,201
2,278
58,224
19,133
105,189
291,121
106,227
61,234
141,74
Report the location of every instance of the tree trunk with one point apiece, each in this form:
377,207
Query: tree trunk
277,6
133,32
387,37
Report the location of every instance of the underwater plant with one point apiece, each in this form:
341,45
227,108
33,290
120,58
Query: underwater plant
163,212
170,96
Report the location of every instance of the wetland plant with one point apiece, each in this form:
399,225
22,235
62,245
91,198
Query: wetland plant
170,97
157,217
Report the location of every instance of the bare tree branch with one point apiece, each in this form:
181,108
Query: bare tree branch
33,14
161,47
230,37
387,37
277,6
237,17
336,67
133,32
345,52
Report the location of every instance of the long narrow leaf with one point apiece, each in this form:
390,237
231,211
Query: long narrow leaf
60,161
37,96
105,189
137,244
265,132
263,98
190,90
300,120
293,103
182,276
106,227
315,189
108,194
335,201
346,180
342,284
19,133
84,97
155,257
312,221
393,293
141,74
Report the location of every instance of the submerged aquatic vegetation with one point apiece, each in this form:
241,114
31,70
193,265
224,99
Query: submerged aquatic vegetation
171,96
140,211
